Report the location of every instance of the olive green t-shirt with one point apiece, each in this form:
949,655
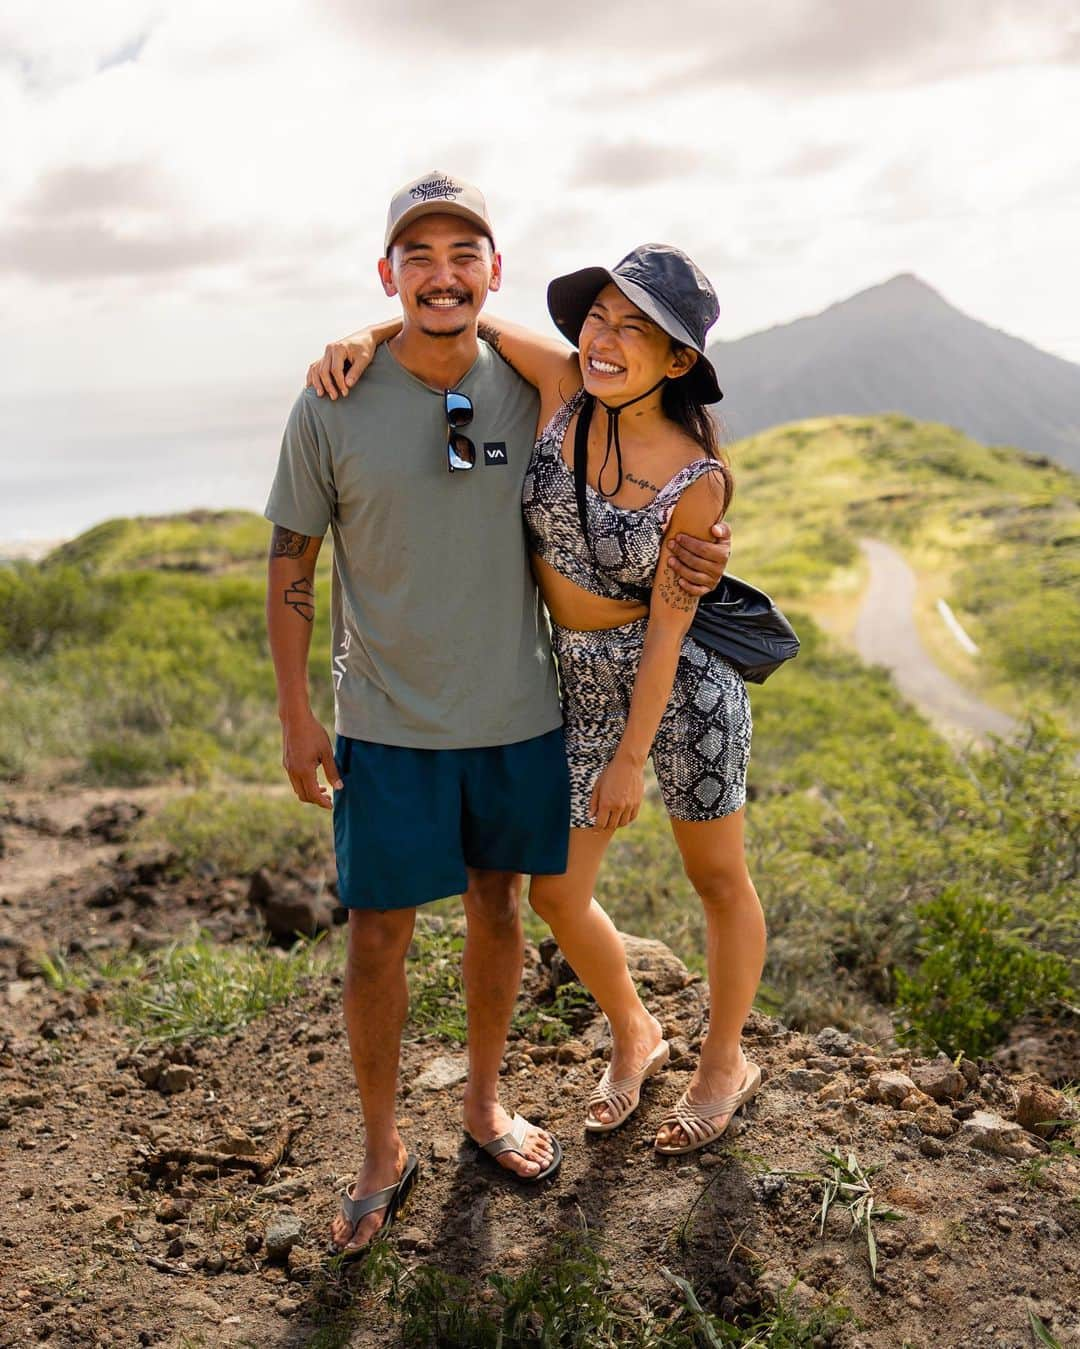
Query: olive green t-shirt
439,638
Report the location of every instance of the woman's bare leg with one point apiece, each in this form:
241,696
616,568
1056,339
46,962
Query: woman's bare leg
588,939
715,860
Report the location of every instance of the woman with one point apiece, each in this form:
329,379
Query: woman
634,683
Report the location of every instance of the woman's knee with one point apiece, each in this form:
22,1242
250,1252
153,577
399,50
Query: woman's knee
722,885
555,903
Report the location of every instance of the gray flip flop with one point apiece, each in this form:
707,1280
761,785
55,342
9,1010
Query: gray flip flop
514,1141
392,1198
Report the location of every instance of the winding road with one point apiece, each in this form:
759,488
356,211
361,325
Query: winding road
885,634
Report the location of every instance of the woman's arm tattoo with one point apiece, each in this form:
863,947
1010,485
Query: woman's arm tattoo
287,543
673,592
301,597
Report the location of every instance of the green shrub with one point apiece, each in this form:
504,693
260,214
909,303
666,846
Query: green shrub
977,977
39,608
239,830
138,676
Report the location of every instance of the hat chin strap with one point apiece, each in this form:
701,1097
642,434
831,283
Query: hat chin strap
612,440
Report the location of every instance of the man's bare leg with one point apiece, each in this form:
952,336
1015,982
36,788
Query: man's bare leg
376,1004
491,972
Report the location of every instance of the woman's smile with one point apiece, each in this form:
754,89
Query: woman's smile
604,368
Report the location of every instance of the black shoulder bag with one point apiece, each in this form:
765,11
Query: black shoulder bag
735,619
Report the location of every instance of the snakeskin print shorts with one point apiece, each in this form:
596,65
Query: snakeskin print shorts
702,745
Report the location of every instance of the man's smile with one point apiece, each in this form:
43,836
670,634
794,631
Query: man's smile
444,301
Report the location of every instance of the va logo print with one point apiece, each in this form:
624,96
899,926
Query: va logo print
495,452
340,660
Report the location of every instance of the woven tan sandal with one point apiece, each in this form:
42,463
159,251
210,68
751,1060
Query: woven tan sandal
696,1121
623,1096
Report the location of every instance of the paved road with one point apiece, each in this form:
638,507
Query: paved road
885,635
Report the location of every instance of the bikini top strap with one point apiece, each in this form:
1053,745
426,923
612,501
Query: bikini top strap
685,476
556,427
669,494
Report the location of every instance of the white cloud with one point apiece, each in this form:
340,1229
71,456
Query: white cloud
195,189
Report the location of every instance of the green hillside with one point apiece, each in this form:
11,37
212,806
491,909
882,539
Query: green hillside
995,531
896,875
198,541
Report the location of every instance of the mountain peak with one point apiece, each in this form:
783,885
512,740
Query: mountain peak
900,294
899,346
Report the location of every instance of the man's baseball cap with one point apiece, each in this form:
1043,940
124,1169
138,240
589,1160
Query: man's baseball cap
436,192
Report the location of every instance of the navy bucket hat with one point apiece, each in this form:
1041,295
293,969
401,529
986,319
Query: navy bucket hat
666,286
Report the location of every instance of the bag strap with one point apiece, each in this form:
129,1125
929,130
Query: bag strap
581,461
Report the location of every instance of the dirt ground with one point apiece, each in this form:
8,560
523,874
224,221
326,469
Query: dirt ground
184,1199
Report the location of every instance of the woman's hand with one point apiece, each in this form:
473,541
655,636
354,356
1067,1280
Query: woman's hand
618,793
330,375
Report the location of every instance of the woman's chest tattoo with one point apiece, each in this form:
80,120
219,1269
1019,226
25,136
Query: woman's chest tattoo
641,482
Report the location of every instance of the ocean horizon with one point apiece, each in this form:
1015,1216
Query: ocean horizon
73,460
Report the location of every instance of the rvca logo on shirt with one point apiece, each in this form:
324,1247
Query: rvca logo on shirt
495,452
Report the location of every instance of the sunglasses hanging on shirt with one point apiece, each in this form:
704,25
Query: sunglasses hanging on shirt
460,451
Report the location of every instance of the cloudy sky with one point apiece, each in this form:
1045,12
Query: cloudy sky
192,194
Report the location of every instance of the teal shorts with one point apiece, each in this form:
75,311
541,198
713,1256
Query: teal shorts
408,822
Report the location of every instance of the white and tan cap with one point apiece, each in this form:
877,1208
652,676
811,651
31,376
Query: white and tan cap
436,192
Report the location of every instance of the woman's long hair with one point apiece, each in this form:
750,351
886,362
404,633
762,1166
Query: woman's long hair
679,404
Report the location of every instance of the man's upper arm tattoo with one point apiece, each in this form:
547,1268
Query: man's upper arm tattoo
287,543
301,597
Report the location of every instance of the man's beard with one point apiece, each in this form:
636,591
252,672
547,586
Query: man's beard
444,332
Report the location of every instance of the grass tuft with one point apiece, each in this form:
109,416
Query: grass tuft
566,1301
847,1184
198,989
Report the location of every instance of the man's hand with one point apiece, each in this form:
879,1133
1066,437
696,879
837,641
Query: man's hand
305,745
700,563
329,375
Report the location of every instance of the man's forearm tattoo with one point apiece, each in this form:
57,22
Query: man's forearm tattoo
675,595
287,543
301,597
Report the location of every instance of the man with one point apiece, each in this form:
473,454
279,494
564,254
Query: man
449,773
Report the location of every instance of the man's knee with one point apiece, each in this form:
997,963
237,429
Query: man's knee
493,898
378,939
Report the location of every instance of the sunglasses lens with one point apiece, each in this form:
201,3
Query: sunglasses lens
459,410
461,452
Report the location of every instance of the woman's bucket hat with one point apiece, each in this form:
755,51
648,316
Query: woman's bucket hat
665,285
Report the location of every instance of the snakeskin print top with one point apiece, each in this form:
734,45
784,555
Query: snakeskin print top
625,543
